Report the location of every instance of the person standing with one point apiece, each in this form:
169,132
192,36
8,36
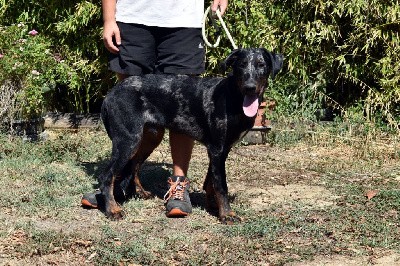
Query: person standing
159,37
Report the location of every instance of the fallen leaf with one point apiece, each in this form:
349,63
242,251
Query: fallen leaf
370,194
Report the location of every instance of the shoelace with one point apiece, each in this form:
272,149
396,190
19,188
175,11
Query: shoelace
176,189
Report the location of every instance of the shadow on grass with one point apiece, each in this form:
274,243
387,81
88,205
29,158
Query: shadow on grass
153,176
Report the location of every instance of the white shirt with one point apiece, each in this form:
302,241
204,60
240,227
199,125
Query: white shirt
161,13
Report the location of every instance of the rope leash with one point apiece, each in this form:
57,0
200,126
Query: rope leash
203,29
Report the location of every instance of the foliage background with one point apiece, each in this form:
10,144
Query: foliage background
73,29
338,55
341,56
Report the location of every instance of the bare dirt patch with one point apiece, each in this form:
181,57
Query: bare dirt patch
302,205
313,196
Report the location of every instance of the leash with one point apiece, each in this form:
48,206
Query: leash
208,13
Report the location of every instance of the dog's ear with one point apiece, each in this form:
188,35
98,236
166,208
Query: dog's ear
276,61
230,60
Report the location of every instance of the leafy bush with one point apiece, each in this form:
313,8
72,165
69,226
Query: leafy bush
69,32
29,70
337,54
342,55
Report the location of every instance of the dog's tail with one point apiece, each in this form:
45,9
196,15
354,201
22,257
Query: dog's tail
104,116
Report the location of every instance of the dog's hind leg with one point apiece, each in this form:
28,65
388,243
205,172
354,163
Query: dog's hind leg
122,151
152,137
112,209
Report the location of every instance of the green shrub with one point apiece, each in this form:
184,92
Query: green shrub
337,54
29,69
70,31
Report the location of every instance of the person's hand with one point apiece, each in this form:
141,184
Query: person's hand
111,36
222,4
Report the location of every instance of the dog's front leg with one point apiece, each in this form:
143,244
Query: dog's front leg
218,187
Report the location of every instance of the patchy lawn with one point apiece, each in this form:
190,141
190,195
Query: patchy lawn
317,199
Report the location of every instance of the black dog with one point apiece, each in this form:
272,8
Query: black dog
213,111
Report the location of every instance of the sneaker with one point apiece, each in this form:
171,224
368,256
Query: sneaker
91,200
95,200
177,200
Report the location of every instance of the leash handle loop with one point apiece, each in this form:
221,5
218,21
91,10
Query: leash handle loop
203,29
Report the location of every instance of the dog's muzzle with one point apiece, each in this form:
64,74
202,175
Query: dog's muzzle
250,88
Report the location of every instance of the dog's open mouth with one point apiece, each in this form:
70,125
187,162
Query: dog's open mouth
250,105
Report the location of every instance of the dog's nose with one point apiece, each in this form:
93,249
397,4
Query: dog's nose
250,88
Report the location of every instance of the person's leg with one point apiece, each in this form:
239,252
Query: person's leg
121,77
181,152
180,51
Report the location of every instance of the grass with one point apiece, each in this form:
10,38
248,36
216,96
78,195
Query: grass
302,198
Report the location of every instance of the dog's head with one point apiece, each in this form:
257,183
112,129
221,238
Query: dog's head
251,69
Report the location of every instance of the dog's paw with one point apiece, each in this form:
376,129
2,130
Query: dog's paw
230,219
116,216
143,194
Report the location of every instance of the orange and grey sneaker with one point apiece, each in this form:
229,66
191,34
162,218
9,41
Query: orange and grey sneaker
92,200
95,200
177,200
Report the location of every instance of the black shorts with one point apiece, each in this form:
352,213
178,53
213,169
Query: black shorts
146,49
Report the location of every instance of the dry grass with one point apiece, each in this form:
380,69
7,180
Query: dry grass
302,198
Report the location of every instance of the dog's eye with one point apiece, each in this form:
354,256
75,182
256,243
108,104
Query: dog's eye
243,64
261,64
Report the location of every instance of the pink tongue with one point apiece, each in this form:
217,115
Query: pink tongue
250,105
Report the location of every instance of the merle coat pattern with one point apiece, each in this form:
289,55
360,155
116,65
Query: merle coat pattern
210,110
